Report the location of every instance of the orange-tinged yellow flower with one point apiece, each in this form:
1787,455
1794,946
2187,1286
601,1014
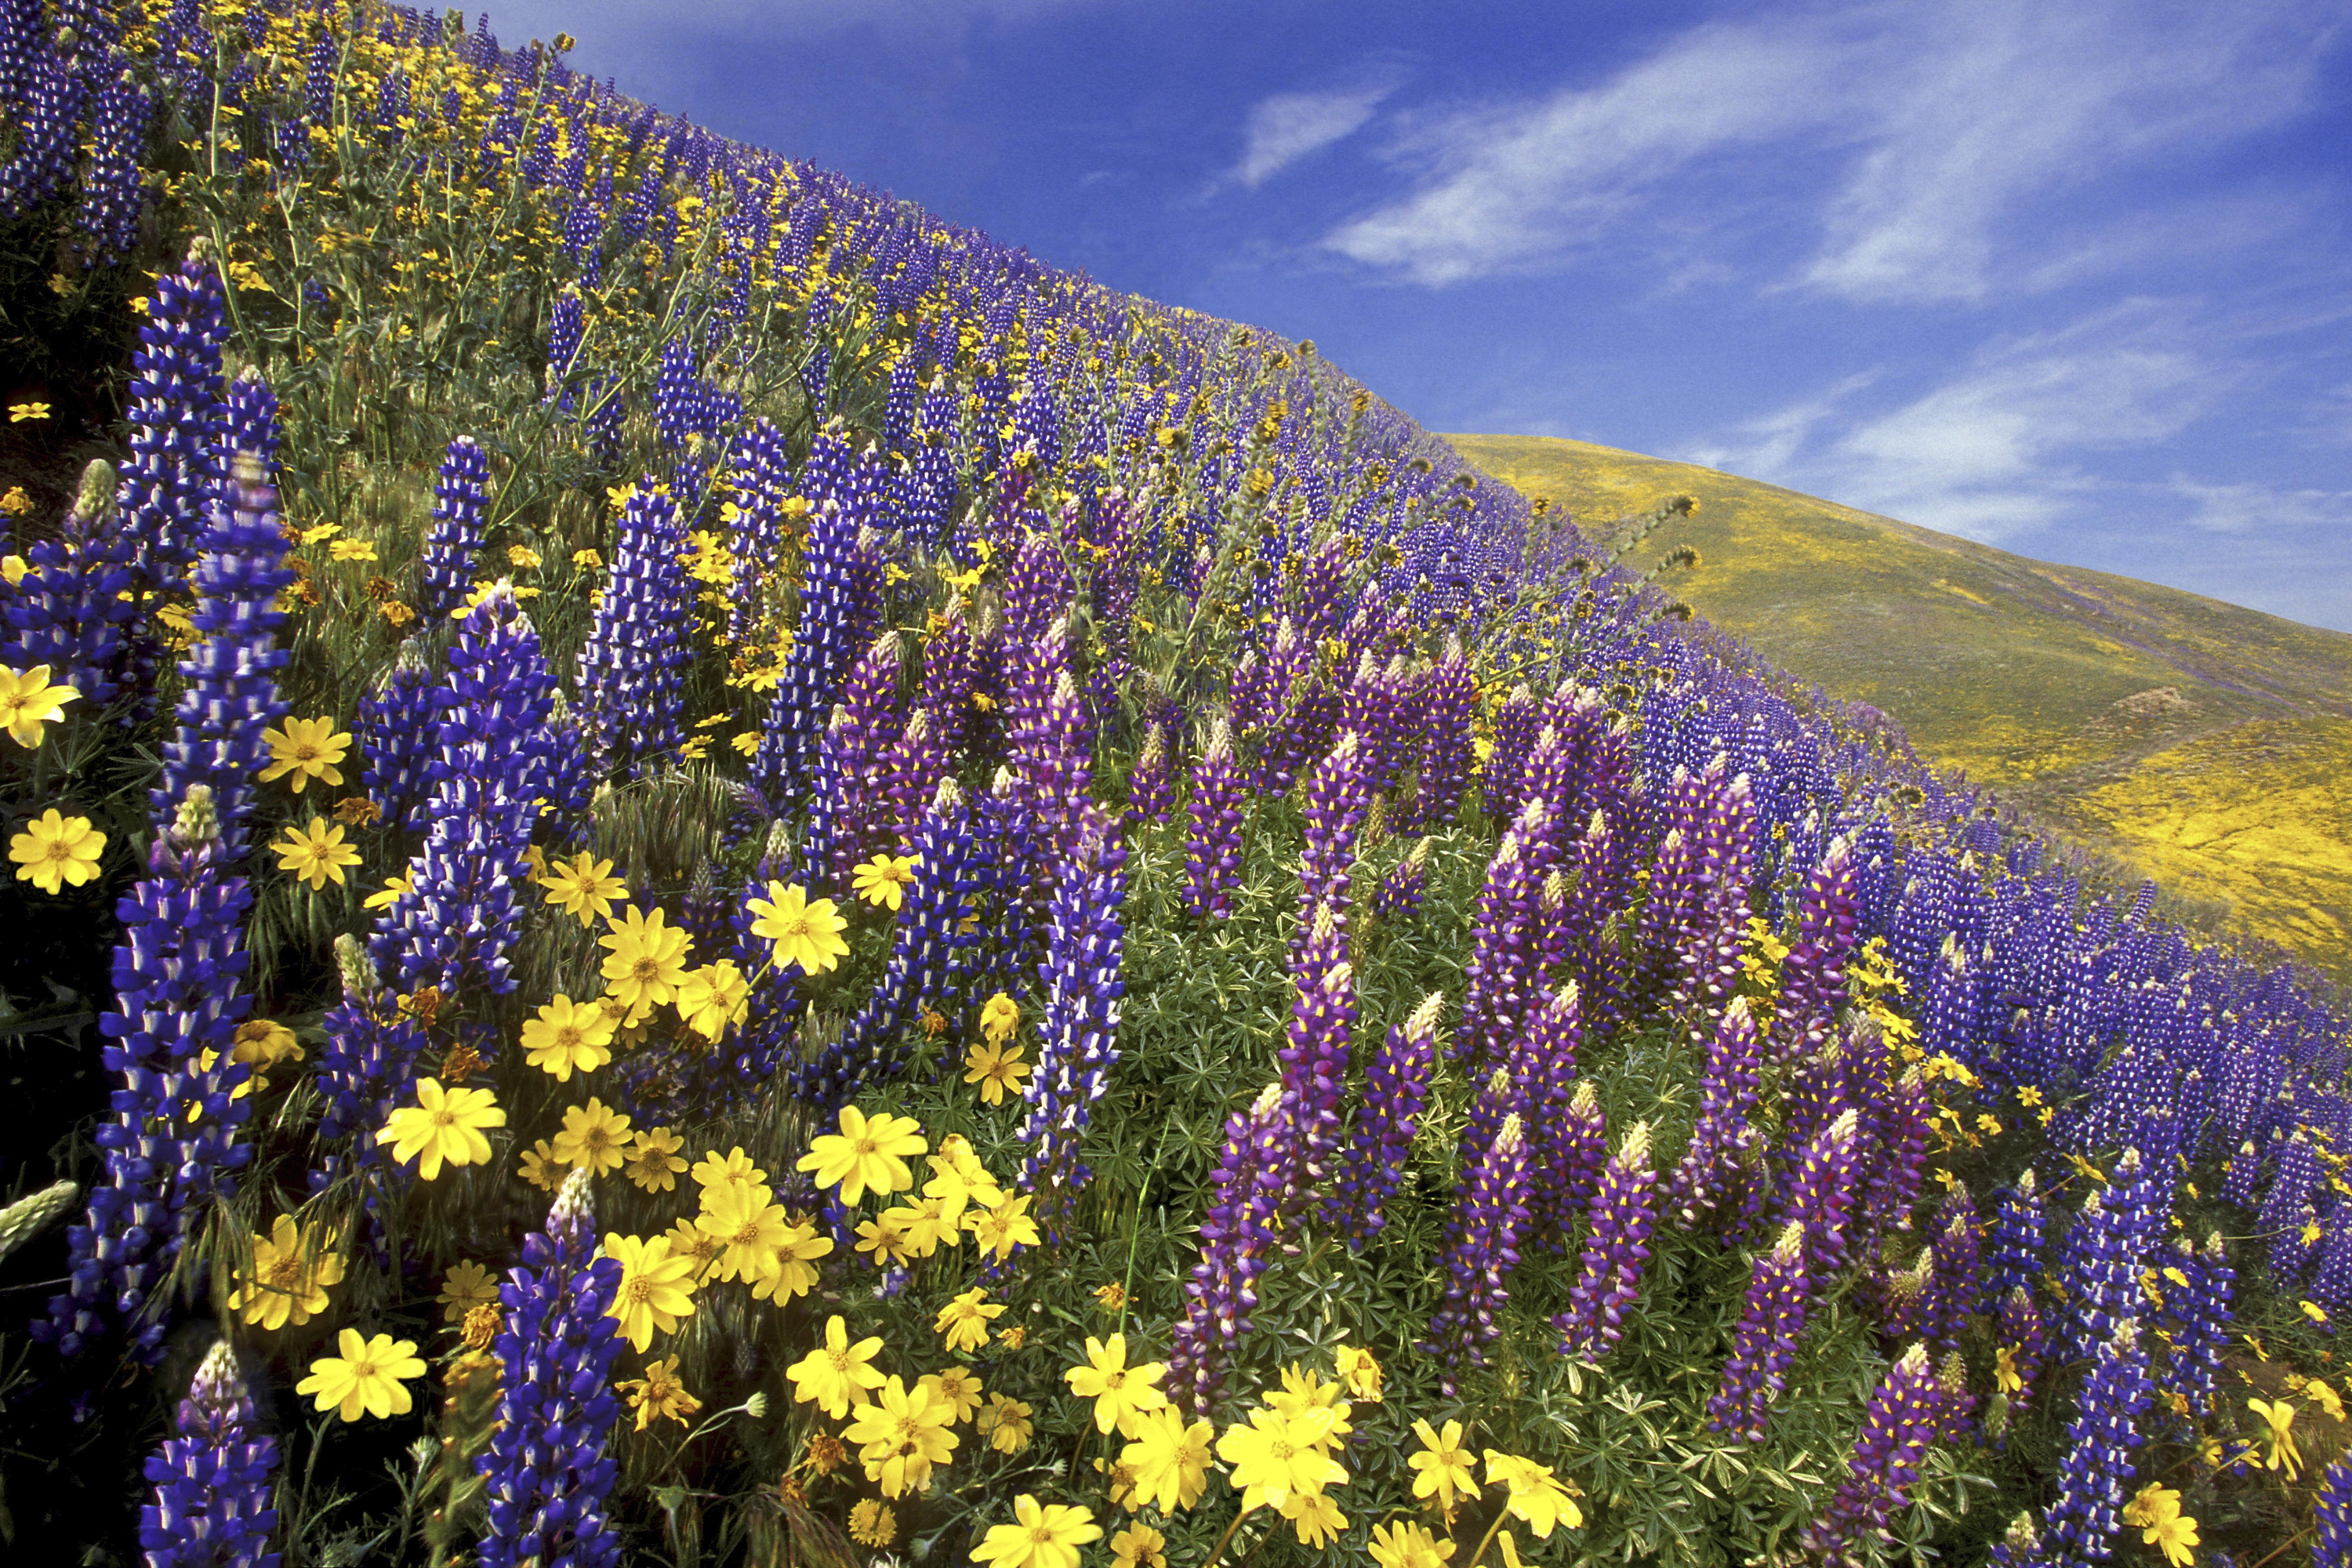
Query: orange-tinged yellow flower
1408,1545
1139,1546
866,1154
568,1036
443,1125
317,855
959,1385
1004,1422
999,1017
1315,1516
1121,1392
1274,1456
1536,1498
55,851
584,887
368,1378
806,933
306,749
652,1163
2279,1416
751,1226
659,1395
871,1522
1361,1372
1005,1226
466,1286
657,1290
837,1374
794,1273
595,1138
963,1322
733,1168
292,1269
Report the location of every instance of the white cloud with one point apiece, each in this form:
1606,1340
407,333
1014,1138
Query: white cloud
2251,507
1998,450
1920,151
1289,125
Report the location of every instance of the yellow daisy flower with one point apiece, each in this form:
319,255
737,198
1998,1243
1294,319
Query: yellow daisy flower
568,1036
368,1377
306,749
443,1125
55,851
317,855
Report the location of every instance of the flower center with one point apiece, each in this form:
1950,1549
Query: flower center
641,1292
646,971
444,1116
567,1038
863,1147
1281,1450
285,1273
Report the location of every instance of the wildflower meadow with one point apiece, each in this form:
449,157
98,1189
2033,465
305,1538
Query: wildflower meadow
707,872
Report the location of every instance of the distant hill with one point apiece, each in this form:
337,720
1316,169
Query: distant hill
2206,745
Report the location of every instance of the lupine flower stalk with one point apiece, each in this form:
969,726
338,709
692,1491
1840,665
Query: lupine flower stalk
1150,789
1490,1214
1213,860
1615,1250
1896,1432
453,541
2019,1223
1314,1053
2197,1286
1819,1191
1547,1056
1724,1143
1447,698
1400,894
2112,1239
1499,978
1078,1033
1239,1237
74,608
229,690
2095,1463
175,413
1396,1091
2331,1514
211,1503
634,659
2021,1342
171,1141
546,1471
1770,1324
1813,976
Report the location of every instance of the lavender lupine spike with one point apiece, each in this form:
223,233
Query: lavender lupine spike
1498,979
47,100
1585,928
456,924
1078,1033
1813,976
1491,1212
833,624
1212,861
1150,788
1052,758
1770,1327
1724,1146
1554,1038
913,770
1338,794
453,541
1515,723
1899,1159
1448,700
546,1473
175,416
1396,1091
1608,1277
633,666
1903,1297
211,1503
1819,1191
1708,945
1239,1238
1315,1051
2198,1288
172,1140
371,1045
1896,1433
853,747
1953,1301
2019,1224
2021,1339
228,693
248,424
2095,1463
1400,894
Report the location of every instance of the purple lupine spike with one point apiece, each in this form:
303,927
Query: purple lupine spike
1396,1091
2022,1340
229,692
2197,1289
46,95
567,329
855,745
1338,796
211,1504
1583,1145
1213,860
397,721
1446,698
453,541
1823,1085
1598,894
1010,878
1724,1146
950,671
1896,1432
1956,1421
175,413
1899,1163
1709,944
1499,981
1239,1238
1819,1191
1036,589
171,1142
1315,1051
1770,1324
1284,728
1953,1302
912,771
2331,1515
73,609
1515,723
456,925
1555,1036
1609,1275
2019,1223
759,481
1149,785
837,594
2095,1463
2019,1546
1813,976
1902,1294
546,1473
1400,894
632,668
1490,1212
1078,1032
2100,1260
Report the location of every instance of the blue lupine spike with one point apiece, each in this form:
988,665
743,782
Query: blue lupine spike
632,668
213,1481
446,565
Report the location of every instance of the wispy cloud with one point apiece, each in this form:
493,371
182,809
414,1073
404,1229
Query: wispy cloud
2248,508
1915,143
1284,128
1999,449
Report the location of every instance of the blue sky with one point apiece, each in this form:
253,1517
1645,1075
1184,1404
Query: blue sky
2068,278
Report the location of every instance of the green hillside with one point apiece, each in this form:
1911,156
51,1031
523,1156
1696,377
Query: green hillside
2204,745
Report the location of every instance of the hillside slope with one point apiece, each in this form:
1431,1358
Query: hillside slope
2204,745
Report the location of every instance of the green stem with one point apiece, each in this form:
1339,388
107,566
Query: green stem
1218,1555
